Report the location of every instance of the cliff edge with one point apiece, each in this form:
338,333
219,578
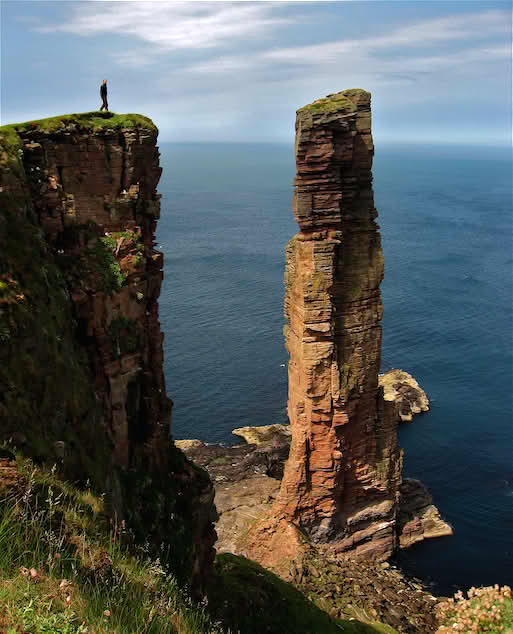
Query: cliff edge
81,373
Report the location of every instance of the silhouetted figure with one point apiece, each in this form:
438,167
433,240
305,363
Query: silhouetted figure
103,95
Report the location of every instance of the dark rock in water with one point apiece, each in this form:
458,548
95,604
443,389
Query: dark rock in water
419,518
233,464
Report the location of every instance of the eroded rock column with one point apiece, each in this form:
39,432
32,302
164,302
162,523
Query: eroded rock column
342,479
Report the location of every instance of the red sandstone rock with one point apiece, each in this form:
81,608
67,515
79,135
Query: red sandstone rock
341,482
109,179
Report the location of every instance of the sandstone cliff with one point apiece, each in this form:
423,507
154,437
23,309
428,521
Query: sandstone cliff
81,374
341,484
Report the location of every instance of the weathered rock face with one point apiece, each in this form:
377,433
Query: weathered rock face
418,517
341,482
403,390
343,474
266,434
344,587
82,379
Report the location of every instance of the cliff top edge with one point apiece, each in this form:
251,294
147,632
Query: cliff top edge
346,101
93,121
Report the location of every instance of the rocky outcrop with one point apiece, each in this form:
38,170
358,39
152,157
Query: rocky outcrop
247,480
265,434
341,482
402,389
245,493
418,518
81,378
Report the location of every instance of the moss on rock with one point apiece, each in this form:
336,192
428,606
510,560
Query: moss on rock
345,101
93,121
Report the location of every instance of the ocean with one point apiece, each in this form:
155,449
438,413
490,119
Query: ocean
446,226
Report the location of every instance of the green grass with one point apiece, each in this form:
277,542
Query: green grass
93,121
65,568
340,101
103,260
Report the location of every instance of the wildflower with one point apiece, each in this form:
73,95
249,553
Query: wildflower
68,600
106,613
57,555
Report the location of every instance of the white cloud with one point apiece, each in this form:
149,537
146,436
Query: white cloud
407,54
173,25
473,26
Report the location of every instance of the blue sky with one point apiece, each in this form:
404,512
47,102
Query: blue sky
439,71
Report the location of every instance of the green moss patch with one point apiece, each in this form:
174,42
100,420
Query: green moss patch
93,121
344,101
102,260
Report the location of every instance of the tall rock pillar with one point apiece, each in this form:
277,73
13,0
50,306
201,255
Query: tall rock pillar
342,478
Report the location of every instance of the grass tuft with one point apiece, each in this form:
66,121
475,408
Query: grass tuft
93,121
65,568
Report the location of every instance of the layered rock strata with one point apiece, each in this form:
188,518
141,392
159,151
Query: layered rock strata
82,381
247,483
341,482
418,517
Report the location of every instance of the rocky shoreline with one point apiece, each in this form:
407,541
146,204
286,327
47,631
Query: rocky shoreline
247,479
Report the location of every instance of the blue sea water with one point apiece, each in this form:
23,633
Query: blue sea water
445,217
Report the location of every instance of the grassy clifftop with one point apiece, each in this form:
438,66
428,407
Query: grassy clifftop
93,121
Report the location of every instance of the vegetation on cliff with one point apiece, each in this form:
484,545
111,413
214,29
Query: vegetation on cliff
47,393
66,567
81,378
91,121
336,102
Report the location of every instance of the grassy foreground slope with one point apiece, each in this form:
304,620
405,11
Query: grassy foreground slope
65,568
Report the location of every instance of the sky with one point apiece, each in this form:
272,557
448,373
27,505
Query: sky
439,71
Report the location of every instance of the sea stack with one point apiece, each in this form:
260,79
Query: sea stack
341,482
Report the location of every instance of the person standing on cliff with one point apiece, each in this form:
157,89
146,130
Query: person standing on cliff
103,95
